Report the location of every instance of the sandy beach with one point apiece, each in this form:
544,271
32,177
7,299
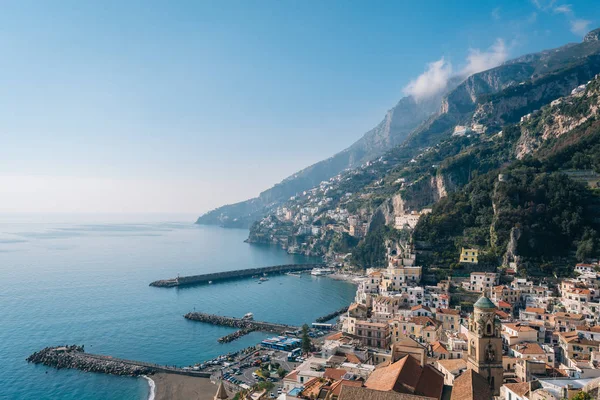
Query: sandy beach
181,387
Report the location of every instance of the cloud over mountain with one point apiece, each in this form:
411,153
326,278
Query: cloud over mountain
437,74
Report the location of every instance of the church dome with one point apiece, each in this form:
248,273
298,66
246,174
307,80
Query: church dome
484,302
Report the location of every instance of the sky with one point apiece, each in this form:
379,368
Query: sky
183,106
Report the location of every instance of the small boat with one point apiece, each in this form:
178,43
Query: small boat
320,271
263,279
248,316
296,274
210,282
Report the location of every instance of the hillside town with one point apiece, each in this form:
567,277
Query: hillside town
519,339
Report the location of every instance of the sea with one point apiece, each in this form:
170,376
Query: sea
83,279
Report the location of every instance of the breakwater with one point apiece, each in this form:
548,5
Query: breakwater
237,274
75,357
332,315
245,326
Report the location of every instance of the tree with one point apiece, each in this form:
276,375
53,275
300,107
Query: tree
582,396
306,343
281,372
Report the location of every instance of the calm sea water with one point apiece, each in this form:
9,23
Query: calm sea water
85,281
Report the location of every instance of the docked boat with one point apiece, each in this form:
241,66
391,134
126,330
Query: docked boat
249,316
321,271
296,274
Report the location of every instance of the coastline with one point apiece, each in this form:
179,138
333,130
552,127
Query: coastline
182,387
152,385
344,277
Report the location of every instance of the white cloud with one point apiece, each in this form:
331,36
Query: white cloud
580,26
437,74
478,60
564,9
543,4
496,13
432,81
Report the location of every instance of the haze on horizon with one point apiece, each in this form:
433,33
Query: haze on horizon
121,107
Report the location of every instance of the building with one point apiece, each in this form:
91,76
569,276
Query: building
408,376
470,386
373,334
451,369
449,318
481,282
485,344
516,332
469,255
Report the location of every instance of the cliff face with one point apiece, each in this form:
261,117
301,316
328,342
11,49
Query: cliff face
512,103
562,116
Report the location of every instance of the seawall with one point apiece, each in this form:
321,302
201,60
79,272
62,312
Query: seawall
242,324
75,357
237,274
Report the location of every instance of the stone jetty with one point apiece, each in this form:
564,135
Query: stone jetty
227,275
235,335
332,315
75,357
245,326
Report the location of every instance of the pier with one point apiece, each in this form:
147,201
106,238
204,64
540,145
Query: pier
227,275
245,326
75,357
332,315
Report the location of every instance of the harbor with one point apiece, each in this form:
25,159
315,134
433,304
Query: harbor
237,274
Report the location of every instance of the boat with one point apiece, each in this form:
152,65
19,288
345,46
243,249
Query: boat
209,282
263,279
248,316
321,271
296,274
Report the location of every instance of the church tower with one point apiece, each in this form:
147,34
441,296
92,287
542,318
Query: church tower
485,344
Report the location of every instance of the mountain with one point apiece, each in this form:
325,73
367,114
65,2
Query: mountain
535,109
401,120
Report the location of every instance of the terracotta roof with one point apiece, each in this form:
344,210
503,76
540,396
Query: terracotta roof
352,358
334,336
504,304
573,337
418,307
438,347
449,311
336,387
568,315
520,389
518,327
470,386
363,393
292,375
528,348
535,310
334,373
407,375
501,314
454,364
425,321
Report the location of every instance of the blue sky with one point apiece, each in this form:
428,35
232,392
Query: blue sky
182,106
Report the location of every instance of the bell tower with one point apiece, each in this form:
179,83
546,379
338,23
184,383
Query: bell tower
485,344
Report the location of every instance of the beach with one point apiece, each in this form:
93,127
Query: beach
182,387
